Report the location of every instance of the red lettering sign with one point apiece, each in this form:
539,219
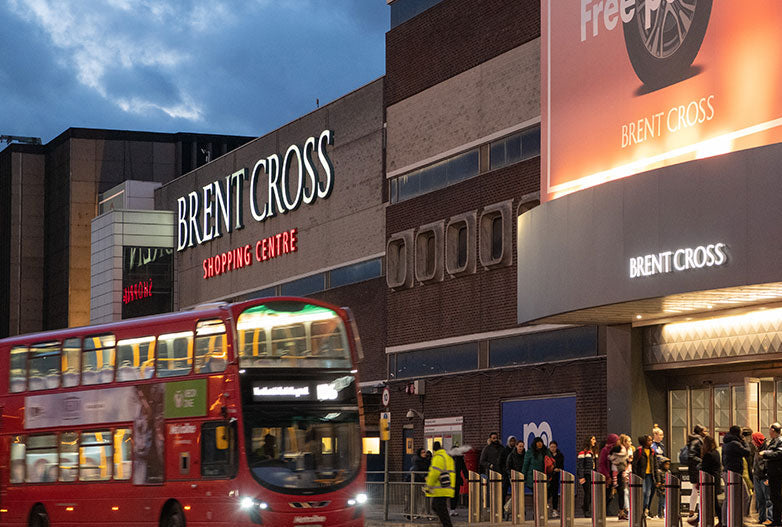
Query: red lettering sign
137,291
265,249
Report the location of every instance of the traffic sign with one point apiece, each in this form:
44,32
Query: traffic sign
386,396
385,426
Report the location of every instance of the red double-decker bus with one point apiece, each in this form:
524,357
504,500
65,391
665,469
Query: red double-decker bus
241,414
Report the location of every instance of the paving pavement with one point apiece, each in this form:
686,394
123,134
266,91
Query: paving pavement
374,518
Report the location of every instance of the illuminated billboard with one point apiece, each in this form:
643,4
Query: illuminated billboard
632,85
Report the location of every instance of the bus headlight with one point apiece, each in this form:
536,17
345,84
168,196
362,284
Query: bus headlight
248,503
360,499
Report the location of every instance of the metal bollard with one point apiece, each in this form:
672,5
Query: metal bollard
734,498
517,497
706,499
540,497
484,494
673,493
495,497
635,517
473,497
567,499
598,499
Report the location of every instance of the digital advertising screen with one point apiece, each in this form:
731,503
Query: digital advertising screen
633,85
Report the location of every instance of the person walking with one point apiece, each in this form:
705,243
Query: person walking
515,462
534,459
694,447
711,465
760,480
553,481
462,475
645,467
441,483
510,446
491,456
619,458
659,450
773,457
734,451
604,465
585,464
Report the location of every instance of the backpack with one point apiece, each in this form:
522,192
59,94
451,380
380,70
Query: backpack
549,464
684,454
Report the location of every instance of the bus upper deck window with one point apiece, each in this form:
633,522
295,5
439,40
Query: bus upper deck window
135,359
18,375
44,366
211,347
98,359
174,354
71,362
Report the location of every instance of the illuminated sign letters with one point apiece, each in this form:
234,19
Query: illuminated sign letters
277,186
712,255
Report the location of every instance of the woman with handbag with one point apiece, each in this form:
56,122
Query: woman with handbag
535,459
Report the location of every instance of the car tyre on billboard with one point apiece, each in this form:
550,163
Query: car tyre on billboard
663,53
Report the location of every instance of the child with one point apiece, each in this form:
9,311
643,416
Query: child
664,468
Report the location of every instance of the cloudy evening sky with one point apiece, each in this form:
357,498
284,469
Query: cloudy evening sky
216,66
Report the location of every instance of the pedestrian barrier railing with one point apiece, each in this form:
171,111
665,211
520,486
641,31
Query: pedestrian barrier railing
474,505
673,492
598,499
540,497
495,497
707,485
567,499
635,517
404,496
517,497
734,499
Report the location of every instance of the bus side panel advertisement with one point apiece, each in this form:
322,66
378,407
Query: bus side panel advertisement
633,85
143,405
186,398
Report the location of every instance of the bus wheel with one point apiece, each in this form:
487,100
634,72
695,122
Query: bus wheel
173,516
38,517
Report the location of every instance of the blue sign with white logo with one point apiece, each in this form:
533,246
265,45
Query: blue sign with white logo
548,418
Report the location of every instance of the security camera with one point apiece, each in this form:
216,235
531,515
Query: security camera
414,413
410,414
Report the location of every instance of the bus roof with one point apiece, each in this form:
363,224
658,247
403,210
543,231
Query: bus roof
211,310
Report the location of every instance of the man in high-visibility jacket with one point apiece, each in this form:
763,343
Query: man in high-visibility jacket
441,483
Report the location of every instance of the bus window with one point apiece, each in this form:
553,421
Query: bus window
174,354
218,449
290,340
328,339
44,366
122,453
95,456
98,359
69,456
300,335
211,349
135,359
17,459
71,363
252,346
18,369
41,457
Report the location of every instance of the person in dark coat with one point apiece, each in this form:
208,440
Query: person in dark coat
760,479
645,467
509,447
773,457
585,464
710,463
491,456
420,465
553,483
462,475
694,446
734,451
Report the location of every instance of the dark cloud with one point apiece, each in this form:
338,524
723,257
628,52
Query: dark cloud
236,68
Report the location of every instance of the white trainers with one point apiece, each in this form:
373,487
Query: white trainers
554,514
453,513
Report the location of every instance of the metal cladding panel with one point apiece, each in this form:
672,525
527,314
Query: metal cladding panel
574,252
